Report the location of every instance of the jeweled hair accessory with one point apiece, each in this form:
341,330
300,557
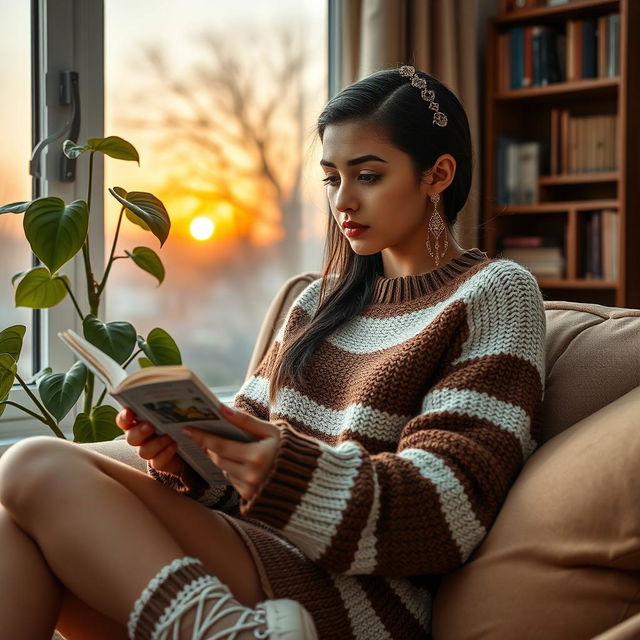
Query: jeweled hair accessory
429,95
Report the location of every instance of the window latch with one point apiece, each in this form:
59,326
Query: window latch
69,94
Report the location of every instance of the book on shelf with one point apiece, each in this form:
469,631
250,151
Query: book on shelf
512,242
582,143
589,48
600,239
613,45
168,397
518,167
542,255
531,56
593,46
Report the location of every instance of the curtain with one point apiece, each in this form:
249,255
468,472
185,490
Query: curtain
436,36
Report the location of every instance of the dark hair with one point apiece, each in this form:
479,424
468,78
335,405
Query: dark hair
388,101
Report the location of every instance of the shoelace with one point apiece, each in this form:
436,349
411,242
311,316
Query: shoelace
198,594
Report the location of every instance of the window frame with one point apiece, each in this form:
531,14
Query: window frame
70,35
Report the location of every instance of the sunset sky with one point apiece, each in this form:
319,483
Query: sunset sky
181,174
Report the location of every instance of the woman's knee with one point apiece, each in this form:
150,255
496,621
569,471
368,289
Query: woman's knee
33,467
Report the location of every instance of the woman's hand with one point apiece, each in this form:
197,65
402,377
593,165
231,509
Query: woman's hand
160,451
245,464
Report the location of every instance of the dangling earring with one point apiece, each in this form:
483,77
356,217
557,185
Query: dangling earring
436,226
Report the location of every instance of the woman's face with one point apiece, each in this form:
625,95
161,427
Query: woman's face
371,182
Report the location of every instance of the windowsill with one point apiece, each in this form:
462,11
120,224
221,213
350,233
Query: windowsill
15,430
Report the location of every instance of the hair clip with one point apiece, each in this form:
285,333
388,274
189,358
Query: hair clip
428,95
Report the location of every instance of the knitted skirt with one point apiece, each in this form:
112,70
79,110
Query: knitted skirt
343,606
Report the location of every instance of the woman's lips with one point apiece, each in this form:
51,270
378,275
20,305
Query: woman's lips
353,229
354,232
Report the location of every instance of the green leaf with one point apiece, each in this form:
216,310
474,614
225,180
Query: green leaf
144,363
56,232
38,374
8,370
148,261
17,276
98,426
131,216
40,290
116,339
114,147
15,207
60,391
148,209
160,347
11,340
73,150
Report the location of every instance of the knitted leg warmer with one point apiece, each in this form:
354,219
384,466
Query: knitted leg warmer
184,601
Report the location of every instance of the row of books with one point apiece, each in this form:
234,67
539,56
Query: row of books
531,56
514,5
596,47
583,143
542,255
535,56
518,168
599,242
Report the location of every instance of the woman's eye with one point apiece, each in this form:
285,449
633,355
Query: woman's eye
367,178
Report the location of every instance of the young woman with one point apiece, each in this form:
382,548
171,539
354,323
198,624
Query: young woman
393,411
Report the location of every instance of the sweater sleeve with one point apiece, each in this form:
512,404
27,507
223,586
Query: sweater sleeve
221,497
253,397
424,507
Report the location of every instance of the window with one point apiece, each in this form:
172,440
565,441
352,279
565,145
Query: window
221,104
15,150
65,35
220,101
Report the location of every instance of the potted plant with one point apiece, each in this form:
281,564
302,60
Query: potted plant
57,232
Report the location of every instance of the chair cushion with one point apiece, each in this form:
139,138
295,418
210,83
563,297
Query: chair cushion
593,358
118,449
276,314
563,557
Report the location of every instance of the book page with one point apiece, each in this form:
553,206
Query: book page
169,406
105,367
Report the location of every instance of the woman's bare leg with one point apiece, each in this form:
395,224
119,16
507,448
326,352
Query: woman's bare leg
105,529
26,581
31,582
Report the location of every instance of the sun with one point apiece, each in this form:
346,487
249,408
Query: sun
202,228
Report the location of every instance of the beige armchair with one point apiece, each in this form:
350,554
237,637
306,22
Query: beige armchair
562,560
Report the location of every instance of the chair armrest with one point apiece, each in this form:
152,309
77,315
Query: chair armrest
276,314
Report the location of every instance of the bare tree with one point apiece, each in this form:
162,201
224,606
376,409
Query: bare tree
236,131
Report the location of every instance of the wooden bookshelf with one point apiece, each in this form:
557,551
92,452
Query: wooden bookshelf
583,133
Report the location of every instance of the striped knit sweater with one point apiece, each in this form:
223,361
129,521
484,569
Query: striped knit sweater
398,453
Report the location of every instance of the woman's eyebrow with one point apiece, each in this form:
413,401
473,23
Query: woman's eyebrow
350,163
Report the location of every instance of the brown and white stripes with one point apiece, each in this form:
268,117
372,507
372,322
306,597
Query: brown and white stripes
398,453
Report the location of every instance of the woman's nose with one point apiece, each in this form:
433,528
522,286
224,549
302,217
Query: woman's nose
345,198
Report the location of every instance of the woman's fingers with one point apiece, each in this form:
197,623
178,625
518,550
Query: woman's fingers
230,449
139,434
165,459
256,427
126,419
153,447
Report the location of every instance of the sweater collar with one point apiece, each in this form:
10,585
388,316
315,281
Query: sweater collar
405,288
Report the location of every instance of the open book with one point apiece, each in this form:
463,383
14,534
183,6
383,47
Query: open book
168,397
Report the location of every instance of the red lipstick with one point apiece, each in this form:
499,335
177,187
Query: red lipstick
353,229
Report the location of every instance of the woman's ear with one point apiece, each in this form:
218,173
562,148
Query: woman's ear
441,174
